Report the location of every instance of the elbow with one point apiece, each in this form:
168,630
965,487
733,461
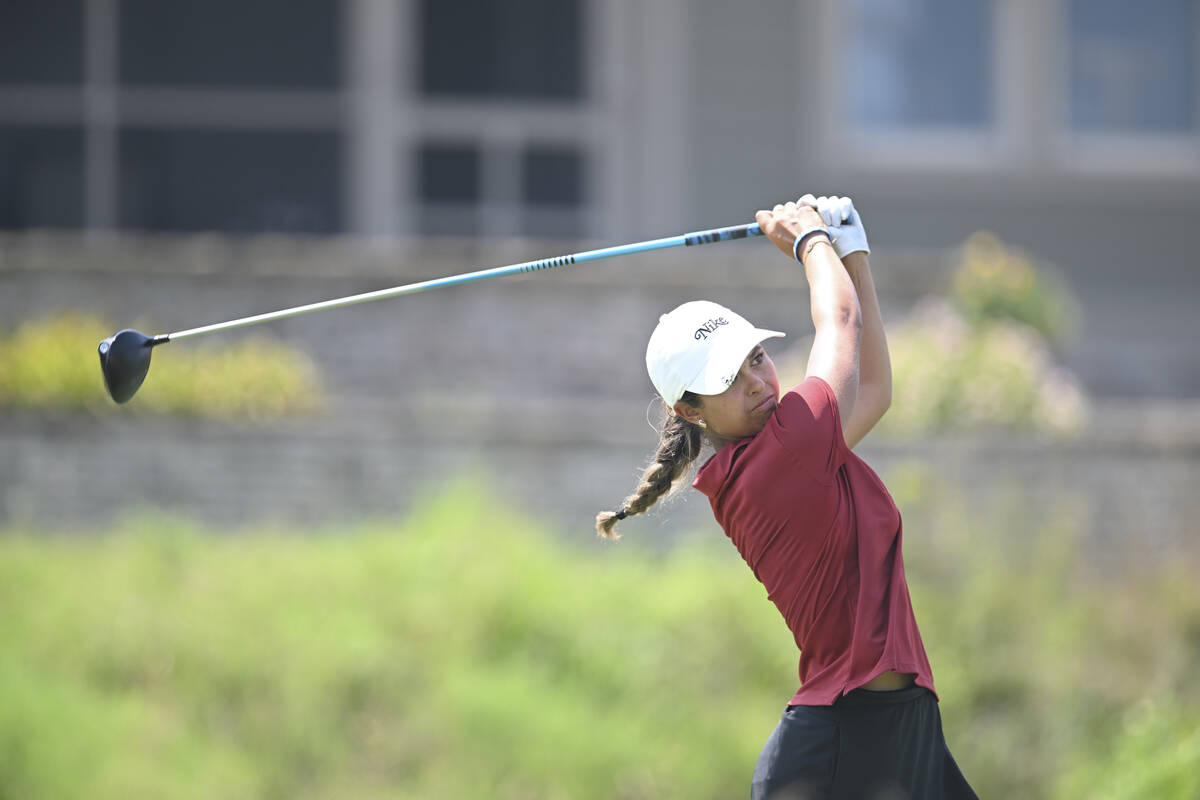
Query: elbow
875,397
849,318
880,396
844,324
885,398
875,402
845,318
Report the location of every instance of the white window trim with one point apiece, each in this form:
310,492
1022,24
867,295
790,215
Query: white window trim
1030,130
502,129
381,116
920,148
1117,153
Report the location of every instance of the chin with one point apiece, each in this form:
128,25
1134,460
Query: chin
756,427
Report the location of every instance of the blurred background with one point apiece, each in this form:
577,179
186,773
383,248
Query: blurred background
1029,174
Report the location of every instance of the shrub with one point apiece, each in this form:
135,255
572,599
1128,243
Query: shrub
1060,677
982,357
463,653
1155,754
51,364
994,281
949,375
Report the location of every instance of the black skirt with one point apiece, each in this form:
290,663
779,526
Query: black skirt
866,746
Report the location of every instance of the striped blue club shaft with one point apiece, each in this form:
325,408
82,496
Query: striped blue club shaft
684,240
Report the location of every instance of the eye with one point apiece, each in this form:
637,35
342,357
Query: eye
756,357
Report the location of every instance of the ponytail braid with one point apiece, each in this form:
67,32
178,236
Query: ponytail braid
678,446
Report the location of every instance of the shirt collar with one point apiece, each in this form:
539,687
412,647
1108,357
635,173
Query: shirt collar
711,477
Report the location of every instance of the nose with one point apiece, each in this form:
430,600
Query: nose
754,384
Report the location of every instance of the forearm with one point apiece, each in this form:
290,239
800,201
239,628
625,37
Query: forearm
833,300
875,365
833,297
837,322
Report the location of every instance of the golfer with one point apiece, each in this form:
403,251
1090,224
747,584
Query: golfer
811,519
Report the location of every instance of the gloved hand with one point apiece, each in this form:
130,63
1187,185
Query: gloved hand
844,224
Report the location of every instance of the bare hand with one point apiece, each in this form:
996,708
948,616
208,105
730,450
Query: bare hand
786,221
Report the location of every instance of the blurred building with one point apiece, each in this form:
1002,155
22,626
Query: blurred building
1067,126
594,117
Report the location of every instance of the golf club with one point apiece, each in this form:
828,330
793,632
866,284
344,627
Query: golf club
125,356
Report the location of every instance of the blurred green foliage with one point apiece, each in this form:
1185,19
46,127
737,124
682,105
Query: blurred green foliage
460,654
51,364
995,281
983,355
1055,654
952,375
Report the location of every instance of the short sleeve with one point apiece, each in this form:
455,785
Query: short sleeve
808,425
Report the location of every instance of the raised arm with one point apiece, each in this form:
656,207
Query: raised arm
875,365
849,238
834,303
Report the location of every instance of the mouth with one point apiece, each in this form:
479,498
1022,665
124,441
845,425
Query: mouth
768,404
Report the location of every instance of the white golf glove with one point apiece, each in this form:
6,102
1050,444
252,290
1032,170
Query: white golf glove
845,225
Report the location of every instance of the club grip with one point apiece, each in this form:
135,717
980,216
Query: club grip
722,234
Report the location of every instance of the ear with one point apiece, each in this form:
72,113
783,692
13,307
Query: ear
689,412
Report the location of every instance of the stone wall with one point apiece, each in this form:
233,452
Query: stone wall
1127,496
534,382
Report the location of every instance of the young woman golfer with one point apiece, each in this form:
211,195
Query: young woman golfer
811,519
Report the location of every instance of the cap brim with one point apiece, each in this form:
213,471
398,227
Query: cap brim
726,361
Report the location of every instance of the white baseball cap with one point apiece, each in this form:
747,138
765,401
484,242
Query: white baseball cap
699,347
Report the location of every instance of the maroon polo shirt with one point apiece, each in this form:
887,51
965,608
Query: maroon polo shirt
822,534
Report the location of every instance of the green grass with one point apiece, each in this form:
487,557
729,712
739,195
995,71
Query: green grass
462,653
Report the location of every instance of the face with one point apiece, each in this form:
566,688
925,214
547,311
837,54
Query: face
744,408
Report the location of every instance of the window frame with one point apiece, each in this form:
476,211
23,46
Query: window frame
1031,126
918,147
1119,152
503,128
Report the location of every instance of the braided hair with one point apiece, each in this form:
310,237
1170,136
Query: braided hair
678,447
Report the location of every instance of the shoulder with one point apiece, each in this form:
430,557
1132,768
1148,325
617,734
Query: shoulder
811,402
803,432
807,424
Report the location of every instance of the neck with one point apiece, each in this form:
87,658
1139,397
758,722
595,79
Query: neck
717,441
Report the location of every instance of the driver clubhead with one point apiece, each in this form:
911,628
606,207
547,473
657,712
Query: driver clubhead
124,360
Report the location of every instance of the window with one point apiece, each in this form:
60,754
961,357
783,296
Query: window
449,173
450,187
43,42
919,63
552,177
291,44
488,48
41,177
538,190
553,191
1133,68
518,166
236,182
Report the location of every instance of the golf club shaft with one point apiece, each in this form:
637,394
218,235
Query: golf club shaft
684,240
